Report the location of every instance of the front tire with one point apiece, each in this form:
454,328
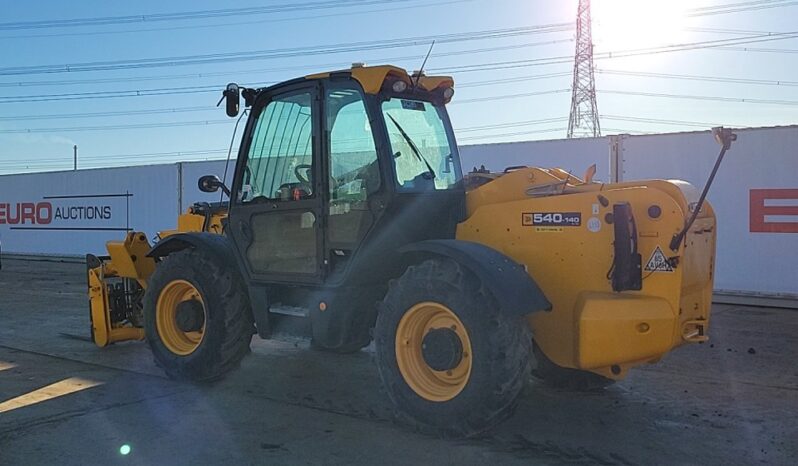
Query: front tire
197,317
448,358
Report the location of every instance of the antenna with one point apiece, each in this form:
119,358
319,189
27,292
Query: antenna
423,64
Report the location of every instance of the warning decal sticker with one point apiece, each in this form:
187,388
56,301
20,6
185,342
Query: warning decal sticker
658,262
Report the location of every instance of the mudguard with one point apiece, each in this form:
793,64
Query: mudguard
511,285
214,243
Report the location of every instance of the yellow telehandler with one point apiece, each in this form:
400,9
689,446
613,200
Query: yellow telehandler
348,209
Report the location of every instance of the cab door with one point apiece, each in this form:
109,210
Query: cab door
355,194
276,213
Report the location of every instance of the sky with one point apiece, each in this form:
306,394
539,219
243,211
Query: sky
512,78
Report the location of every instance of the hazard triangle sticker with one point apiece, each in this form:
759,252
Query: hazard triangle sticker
658,262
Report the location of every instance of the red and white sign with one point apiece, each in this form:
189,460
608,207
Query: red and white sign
773,211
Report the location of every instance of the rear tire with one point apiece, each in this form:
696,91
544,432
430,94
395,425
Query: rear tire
566,378
453,400
217,291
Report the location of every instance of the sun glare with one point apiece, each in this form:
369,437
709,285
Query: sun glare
632,24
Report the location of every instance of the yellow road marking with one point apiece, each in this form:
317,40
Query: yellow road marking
6,365
64,387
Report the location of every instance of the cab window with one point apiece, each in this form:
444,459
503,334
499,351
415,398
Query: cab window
423,151
354,169
280,159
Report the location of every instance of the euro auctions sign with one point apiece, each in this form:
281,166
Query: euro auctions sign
38,213
90,212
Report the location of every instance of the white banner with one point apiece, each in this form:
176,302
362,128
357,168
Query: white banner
76,212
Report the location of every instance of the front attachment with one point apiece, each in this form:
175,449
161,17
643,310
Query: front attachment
116,287
114,303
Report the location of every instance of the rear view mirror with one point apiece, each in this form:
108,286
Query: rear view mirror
211,184
231,96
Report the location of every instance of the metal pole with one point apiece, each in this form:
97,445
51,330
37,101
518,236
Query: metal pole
75,149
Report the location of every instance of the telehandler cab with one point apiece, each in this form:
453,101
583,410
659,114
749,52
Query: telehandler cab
348,208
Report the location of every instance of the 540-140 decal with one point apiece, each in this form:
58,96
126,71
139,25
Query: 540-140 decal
551,219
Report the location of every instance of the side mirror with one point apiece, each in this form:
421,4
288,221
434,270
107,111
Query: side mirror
211,184
231,96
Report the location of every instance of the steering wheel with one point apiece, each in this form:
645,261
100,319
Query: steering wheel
303,166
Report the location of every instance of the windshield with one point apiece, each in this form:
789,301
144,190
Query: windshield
422,150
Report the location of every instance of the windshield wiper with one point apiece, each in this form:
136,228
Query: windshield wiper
413,146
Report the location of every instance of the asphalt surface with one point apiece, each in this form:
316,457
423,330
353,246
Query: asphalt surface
731,401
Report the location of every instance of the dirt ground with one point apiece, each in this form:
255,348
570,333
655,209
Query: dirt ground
731,401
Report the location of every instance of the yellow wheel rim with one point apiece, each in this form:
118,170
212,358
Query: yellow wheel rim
176,340
428,383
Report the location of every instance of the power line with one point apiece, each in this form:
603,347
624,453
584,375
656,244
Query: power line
111,94
619,54
702,45
217,122
518,133
331,65
127,93
703,97
698,124
764,82
74,82
227,57
237,23
210,108
394,43
153,111
185,15
465,101
738,7
513,124
121,157
535,62
116,127
513,80
628,131
509,96
739,32
757,49
291,7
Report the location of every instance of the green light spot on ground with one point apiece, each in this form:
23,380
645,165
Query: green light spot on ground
124,449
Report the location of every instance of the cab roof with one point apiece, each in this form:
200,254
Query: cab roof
372,78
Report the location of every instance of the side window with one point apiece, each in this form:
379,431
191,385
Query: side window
280,159
354,170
